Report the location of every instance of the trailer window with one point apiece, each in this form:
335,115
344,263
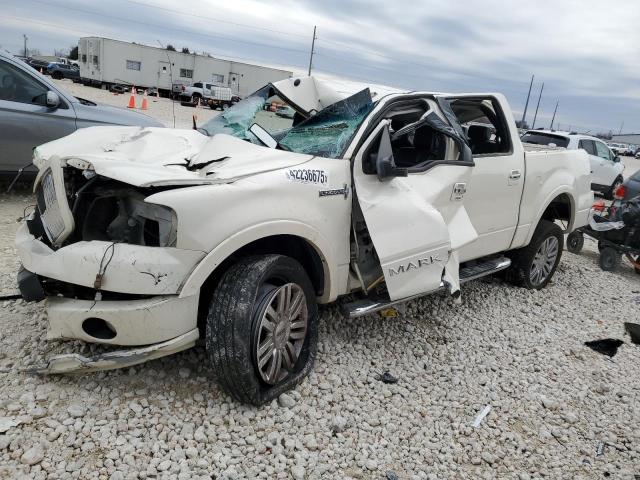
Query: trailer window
186,73
217,78
133,65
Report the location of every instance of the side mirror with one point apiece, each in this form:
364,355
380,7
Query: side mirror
265,137
385,164
616,159
53,100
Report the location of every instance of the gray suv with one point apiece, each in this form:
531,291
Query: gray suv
33,111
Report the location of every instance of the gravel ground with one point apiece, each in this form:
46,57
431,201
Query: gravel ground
554,401
159,108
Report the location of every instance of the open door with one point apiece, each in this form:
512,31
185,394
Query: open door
413,201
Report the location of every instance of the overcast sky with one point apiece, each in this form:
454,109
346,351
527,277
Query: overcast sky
586,51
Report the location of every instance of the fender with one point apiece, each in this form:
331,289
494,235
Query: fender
547,201
332,270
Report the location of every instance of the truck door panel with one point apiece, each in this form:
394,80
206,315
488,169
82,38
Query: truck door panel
413,221
493,197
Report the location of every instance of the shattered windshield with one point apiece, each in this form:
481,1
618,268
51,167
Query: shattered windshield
328,133
263,107
325,134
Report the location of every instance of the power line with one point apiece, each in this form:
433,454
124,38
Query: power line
189,32
202,17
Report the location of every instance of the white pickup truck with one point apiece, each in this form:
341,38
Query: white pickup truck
234,233
215,96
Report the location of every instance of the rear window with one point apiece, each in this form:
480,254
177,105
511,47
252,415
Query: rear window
540,138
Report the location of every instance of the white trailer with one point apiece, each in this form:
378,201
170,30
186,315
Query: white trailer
104,62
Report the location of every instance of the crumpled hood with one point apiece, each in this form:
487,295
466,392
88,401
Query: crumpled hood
147,157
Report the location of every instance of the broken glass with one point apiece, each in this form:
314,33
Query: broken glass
328,133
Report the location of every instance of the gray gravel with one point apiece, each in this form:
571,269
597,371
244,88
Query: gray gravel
554,402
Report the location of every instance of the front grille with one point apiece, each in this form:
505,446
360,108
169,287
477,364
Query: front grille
50,209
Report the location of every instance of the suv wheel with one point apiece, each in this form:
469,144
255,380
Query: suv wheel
261,330
533,266
57,76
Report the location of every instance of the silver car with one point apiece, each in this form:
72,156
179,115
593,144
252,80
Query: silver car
33,111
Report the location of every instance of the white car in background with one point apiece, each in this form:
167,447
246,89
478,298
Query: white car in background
606,168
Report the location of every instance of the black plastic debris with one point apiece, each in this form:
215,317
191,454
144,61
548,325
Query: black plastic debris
633,329
606,346
386,377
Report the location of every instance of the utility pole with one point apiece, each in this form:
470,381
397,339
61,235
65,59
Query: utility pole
313,43
524,114
538,106
25,45
554,115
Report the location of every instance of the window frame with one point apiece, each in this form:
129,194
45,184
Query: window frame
217,75
129,63
185,71
604,145
592,142
501,117
377,117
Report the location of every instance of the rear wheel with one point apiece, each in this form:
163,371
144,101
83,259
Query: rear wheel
533,266
56,76
609,259
261,328
575,242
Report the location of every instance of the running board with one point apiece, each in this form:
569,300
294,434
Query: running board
370,305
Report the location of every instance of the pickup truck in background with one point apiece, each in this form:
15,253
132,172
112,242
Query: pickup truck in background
375,199
215,96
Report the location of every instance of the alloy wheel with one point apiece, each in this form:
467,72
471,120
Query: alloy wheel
281,332
544,261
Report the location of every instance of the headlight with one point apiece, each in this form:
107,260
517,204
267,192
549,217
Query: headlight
127,218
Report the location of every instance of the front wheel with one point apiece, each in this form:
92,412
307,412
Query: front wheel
261,330
533,266
575,242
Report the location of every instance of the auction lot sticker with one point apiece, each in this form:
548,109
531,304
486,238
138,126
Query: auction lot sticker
307,175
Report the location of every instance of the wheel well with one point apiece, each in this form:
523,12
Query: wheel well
560,208
289,245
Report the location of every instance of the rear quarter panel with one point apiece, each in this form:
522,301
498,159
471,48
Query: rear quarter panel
550,173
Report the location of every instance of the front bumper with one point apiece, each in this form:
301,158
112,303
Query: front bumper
75,363
133,269
121,322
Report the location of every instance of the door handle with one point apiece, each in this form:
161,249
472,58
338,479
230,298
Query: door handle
515,175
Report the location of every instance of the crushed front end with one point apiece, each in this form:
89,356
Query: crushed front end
106,263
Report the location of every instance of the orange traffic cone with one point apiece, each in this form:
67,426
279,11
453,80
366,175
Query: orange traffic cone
132,98
145,102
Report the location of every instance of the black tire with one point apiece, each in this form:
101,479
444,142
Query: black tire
522,259
616,183
575,242
236,309
57,76
609,259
